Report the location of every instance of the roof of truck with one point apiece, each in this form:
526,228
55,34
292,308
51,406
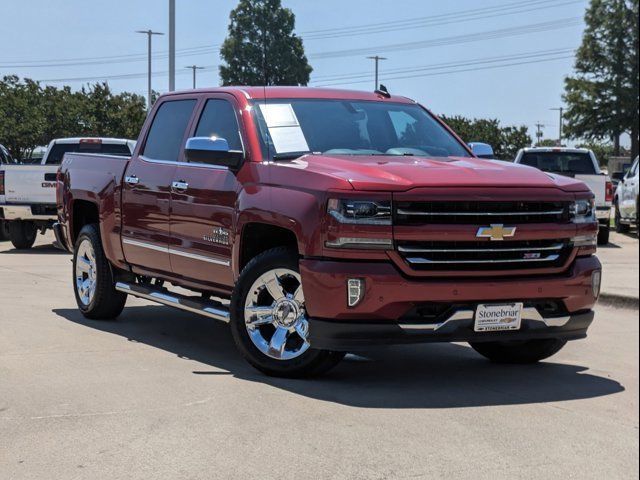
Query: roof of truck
259,93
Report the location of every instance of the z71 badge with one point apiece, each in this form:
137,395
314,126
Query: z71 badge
219,235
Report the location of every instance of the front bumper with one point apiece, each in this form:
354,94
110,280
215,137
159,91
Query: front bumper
26,212
390,296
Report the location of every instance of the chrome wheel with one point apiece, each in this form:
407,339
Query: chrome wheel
85,272
275,315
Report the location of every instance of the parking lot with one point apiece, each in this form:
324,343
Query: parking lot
164,394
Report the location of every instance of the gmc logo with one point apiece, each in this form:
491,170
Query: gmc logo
48,184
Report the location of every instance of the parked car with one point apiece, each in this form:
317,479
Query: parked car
27,192
581,164
626,200
318,222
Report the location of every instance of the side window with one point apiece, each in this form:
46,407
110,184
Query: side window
167,130
219,120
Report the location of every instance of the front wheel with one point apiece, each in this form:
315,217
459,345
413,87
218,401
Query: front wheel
269,321
527,351
22,234
93,281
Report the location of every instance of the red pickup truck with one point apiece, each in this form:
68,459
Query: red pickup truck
317,222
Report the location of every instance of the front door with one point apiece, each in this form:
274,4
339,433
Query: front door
146,194
203,202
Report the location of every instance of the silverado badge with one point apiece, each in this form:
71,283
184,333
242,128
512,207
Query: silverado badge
496,232
218,235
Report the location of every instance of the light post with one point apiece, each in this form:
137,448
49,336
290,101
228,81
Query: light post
376,59
172,45
149,34
194,68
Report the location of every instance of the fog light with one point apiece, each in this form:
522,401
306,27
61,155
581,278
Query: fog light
355,291
596,281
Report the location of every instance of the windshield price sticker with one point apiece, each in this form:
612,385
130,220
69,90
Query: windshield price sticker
284,128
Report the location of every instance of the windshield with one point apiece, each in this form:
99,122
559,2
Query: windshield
344,127
566,163
59,149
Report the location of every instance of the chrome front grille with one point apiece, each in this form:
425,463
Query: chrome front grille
484,255
481,213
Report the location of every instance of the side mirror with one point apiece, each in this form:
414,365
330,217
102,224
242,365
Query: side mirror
481,150
213,151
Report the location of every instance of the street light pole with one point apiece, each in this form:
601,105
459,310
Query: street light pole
149,33
560,110
376,59
194,68
172,45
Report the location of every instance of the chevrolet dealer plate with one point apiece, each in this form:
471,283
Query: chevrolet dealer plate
493,318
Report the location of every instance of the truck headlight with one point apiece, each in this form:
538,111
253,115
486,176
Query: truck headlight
583,211
360,212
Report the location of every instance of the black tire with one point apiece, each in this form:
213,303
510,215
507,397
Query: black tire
312,362
4,230
107,303
620,227
22,234
528,351
603,235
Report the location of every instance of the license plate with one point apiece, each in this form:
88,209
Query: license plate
494,318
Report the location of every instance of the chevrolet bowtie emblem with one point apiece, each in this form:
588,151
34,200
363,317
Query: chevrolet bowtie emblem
496,232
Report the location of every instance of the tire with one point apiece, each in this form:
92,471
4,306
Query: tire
284,318
92,277
4,230
620,227
22,234
528,351
603,235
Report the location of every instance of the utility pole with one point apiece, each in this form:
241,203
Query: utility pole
172,45
539,134
194,68
376,59
560,110
149,34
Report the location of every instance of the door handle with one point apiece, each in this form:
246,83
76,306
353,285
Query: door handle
179,186
132,180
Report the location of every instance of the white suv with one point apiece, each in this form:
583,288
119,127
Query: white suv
626,200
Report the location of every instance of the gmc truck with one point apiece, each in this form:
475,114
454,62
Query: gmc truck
318,222
27,192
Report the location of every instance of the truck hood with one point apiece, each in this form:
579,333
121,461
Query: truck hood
402,173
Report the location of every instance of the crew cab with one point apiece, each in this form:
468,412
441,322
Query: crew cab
27,192
626,200
318,222
581,164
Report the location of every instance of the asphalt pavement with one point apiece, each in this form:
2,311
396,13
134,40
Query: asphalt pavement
163,394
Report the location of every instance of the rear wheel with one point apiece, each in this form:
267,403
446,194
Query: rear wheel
603,235
620,227
269,322
527,351
22,234
93,281
4,230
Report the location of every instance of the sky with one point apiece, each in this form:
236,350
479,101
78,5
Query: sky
504,59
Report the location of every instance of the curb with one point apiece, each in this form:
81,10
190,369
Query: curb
618,301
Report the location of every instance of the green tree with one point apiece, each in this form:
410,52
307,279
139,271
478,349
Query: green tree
21,115
506,141
261,48
603,96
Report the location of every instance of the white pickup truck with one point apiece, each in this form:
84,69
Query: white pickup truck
581,164
28,192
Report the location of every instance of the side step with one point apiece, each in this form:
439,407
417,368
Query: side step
202,307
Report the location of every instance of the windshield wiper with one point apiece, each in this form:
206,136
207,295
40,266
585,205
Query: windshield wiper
289,155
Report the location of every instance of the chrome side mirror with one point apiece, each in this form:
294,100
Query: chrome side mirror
212,150
481,150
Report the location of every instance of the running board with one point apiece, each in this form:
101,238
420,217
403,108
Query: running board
202,307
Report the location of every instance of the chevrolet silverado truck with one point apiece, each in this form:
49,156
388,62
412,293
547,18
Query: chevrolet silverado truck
28,192
581,164
318,222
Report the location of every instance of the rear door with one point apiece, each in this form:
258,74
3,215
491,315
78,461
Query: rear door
146,194
203,202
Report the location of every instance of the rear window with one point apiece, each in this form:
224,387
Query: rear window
565,163
58,150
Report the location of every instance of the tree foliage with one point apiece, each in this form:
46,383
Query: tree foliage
33,115
261,48
506,141
602,96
